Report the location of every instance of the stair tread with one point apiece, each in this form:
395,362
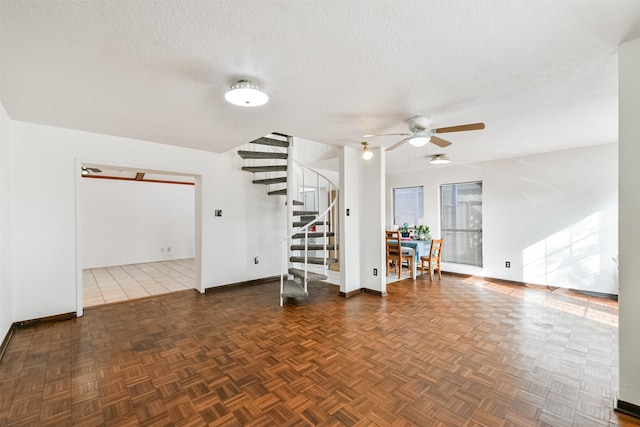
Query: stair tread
302,213
314,247
314,260
313,234
296,203
281,192
261,155
267,181
270,141
293,289
312,222
269,168
312,277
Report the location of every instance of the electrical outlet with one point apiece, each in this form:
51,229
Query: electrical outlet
375,271
256,260
507,264
218,212
168,248
347,212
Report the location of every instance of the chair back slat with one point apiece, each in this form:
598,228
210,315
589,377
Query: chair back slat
394,246
432,260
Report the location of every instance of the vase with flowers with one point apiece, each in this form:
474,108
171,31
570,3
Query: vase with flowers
423,232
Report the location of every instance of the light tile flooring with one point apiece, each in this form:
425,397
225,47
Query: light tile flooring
124,282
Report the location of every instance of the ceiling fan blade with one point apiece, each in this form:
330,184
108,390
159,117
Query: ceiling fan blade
439,141
386,134
472,126
397,144
89,170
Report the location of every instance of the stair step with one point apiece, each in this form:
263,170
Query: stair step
314,260
313,234
270,141
261,155
280,134
305,213
272,168
311,277
293,289
270,180
314,247
316,223
296,203
281,192
307,218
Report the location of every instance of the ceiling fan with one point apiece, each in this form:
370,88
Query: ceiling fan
421,133
88,171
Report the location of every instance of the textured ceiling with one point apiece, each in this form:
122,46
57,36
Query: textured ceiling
542,75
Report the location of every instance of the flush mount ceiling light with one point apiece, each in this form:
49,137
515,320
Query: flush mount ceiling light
439,159
245,93
420,141
420,137
366,153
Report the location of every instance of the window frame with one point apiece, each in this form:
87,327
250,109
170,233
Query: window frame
419,219
444,232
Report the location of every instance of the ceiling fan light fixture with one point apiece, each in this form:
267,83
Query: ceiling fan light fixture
366,153
439,159
419,141
245,93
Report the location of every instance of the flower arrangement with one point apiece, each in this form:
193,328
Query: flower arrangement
423,232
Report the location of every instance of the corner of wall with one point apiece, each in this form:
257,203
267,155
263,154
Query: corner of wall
5,237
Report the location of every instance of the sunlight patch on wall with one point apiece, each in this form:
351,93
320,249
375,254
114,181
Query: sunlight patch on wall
569,258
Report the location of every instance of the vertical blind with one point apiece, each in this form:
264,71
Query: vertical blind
408,206
461,222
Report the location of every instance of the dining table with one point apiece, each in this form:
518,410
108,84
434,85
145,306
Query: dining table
420,247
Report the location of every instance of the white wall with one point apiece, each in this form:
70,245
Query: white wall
129,222
5,238
629,315
552,215
45,172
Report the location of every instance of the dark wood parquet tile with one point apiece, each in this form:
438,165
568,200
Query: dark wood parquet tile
455,352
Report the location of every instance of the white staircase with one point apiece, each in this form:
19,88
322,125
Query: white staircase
311,235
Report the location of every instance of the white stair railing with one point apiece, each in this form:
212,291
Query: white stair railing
324,218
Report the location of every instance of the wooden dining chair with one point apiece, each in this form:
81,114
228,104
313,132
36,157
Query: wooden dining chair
396,253
432,260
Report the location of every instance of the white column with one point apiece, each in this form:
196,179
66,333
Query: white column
349,241
629,226
372,223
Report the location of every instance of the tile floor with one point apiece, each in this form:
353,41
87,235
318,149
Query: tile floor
124,282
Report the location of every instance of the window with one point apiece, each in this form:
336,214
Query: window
408,206
461,220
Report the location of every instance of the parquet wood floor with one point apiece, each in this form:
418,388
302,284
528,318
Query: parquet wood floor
456,352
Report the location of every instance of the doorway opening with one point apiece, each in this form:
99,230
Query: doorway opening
136,233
